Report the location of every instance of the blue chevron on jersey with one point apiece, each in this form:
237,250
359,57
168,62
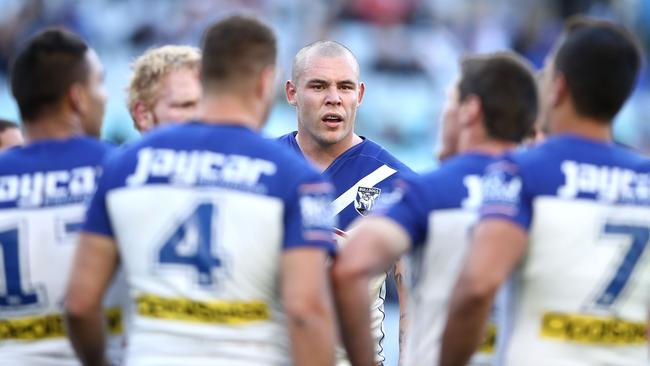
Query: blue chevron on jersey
226,156
203,214
44,189
50,172
438,210
456,184
567,167
585,206
362,175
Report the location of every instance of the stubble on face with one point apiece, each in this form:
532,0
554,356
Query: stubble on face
328,93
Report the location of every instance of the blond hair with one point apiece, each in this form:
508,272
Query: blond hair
150,68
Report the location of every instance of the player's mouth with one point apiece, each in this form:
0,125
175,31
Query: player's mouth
332,119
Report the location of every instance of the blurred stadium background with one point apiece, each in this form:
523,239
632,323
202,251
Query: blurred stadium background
408,51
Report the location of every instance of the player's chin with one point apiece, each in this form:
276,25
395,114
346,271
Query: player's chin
331,137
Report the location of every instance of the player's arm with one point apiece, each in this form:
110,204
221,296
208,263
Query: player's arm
498,247
308,305
375,244
95,263
399,273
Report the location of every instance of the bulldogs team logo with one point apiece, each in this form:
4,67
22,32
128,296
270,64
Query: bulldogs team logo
365,199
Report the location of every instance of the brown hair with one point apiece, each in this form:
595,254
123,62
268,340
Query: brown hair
235,49
507,89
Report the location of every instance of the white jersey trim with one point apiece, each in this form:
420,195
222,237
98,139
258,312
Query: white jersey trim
370,180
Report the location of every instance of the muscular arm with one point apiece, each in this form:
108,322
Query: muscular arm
95,263
498,247
399,273
376,243
307,301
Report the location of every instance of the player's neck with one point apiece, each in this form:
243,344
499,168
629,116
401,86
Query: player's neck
322,156
57,127
477,140
487,146
571,123
228,109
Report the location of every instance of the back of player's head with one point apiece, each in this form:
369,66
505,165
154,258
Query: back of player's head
235,50
600,62
150,68
45,69
506,87
324,48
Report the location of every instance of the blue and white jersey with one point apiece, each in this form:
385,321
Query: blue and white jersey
44,189
581,294
202,214
362,175
438,210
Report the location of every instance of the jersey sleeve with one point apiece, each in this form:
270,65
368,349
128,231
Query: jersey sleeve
308,219
504,194
408,210
97,219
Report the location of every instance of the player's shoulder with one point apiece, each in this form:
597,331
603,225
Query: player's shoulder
449,181
558,149
288,139
54,154
372,151
220,145
465,164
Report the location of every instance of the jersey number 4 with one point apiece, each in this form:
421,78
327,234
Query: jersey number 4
190,244
613,289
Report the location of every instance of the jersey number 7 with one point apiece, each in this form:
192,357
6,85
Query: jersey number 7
613,289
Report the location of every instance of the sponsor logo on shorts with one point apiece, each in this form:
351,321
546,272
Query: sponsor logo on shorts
218,312
50,326
589,329
489,339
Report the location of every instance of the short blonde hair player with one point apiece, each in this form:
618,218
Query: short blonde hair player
164,86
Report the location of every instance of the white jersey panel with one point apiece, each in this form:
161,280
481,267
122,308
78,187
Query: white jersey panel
589,305
43,241
435,272
377,295
224,312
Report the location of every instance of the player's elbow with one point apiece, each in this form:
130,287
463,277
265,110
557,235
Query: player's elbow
79,306
307,309
475,289
347,270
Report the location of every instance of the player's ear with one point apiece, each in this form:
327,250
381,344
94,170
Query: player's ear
362,90
470,110
77,98
559,90
142,117
290,92
266,83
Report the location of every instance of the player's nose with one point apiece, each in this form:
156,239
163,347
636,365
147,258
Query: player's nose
333,96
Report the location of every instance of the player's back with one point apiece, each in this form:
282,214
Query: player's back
580,296
202,214
438,209
43,191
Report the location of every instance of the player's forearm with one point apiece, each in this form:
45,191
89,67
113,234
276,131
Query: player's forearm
465,328
353,304
312,338
86,333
